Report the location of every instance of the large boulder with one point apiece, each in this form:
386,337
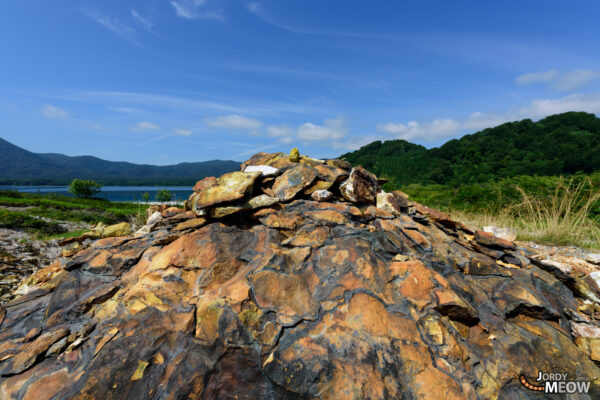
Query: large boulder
299,300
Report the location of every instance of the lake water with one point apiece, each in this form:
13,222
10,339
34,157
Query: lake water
112,193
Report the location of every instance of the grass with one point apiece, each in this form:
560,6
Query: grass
33,210
557,211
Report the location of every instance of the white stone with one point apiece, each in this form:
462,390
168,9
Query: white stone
154,218
321,195
585,330
502,233
389,203
596,277
566,268
265,170
593,258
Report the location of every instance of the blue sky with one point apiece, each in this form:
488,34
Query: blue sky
168,81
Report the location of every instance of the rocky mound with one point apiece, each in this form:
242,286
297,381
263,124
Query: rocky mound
299,278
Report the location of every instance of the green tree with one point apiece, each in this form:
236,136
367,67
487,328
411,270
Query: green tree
164,195
146,197
84,188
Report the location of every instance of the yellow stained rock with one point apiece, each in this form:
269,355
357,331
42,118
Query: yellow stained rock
294,155
139,372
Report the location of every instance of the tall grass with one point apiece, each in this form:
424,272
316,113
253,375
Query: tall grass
560,218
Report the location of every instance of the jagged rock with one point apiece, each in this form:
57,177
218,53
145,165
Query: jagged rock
101,231
321,195
360,187
593,258
391,203
229,187
151,222
299,299
339,164
262,200
292,181
502,233
488,239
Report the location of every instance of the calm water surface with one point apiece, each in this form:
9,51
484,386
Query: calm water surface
112,193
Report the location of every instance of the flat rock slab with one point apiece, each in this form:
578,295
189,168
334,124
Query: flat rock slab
292,181
229,187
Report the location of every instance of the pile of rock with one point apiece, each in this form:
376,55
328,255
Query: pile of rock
261,289
267,179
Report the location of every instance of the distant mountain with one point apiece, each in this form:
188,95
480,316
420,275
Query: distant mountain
19,166
560,144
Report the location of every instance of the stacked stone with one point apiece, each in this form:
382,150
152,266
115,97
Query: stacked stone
270,178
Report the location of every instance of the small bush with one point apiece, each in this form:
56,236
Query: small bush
84,188
164,195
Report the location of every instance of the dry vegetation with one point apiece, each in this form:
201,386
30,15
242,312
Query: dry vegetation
562,218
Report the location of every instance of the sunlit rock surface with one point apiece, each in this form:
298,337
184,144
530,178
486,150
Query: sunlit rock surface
293,298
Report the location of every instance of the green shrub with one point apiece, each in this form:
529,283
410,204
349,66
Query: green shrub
164,195
84,188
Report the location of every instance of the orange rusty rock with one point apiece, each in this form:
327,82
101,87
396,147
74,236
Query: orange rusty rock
190,224
302,299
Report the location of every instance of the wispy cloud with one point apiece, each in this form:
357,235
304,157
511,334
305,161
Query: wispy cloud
234,121
114,25
52,112
567,81
576,79
438,128
124,110
332,129
198,103
195,9
536,77
146,22
183,131
258,9
145,126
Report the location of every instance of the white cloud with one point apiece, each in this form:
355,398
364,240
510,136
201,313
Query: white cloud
536,77
436,129
567,81
479,120
146,22
576,79
183,132
191,9
145,126
332,129
113,25
280,131
446,128
234,121
588,102
357,142
49,111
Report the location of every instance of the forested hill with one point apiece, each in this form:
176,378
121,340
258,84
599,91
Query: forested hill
21,167
560,144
